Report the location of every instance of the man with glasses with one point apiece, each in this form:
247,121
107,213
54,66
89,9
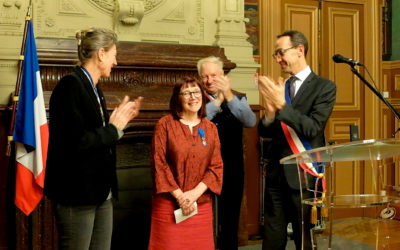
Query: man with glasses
230,113
301,105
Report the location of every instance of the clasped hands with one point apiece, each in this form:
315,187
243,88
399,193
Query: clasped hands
186,201
273,94
125,112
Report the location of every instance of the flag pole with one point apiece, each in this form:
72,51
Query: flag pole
15,97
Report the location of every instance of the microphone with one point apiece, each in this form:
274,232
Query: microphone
338,58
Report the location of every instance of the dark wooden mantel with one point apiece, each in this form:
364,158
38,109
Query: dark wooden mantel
149,70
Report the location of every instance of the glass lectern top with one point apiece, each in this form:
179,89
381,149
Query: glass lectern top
351,151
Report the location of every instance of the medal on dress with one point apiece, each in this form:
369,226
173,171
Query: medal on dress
203,139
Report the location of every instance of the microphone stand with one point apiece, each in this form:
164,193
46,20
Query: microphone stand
378,94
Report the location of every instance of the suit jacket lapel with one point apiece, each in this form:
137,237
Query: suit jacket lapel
103,104
88,87
306,84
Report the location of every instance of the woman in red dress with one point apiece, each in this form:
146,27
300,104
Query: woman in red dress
187,170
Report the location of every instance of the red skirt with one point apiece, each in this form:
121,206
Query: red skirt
193,233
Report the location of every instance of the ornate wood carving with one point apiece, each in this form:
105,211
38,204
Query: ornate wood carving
144,69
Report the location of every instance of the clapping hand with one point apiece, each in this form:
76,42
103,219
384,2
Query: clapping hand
125,112
223,84
273,94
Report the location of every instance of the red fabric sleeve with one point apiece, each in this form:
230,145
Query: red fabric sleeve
164,180
214,173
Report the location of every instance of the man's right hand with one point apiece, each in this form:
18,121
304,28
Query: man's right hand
219,99
223,83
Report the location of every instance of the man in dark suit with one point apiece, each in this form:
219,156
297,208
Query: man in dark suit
306,111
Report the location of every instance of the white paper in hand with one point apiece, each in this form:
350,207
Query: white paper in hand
179,217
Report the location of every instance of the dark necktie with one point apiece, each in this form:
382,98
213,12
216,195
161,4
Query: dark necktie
292,88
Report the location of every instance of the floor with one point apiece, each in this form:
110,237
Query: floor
258,246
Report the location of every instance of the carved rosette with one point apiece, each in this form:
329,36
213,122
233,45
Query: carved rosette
109,5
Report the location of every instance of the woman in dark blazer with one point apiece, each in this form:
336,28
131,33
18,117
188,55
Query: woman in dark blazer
81,172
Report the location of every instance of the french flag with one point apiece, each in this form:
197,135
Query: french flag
31,133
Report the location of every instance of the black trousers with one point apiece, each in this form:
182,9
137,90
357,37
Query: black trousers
283,205
229,203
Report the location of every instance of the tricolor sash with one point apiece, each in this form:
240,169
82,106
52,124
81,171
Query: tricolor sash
210,97
298,143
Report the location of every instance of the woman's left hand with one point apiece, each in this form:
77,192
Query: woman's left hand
192,195
188,210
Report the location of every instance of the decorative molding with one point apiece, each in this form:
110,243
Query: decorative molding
146,69
179,22
106,6
384,125
8,66
353,15
109,6
129,12
68,7
397,82
231,6
157,36
391,64
354,104
232,19
294,11
12,18
151,5
385,82
347,178
176,15
231,29
339,127
195,27
394,101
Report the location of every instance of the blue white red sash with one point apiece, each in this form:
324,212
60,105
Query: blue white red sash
210,97
298,143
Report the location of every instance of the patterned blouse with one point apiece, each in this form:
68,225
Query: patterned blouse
181,159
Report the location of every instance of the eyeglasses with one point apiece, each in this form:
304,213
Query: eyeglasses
188,94
281,52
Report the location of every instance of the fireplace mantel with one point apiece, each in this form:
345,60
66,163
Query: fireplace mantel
149,70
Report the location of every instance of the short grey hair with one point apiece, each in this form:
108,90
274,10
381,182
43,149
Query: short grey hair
93,39
211,59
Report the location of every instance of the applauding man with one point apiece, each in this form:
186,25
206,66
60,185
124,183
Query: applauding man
230,113
302,106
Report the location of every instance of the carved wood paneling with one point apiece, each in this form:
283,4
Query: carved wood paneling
344,39
397,82
304,18
339,128
141,70
144,69
389,124
347,178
